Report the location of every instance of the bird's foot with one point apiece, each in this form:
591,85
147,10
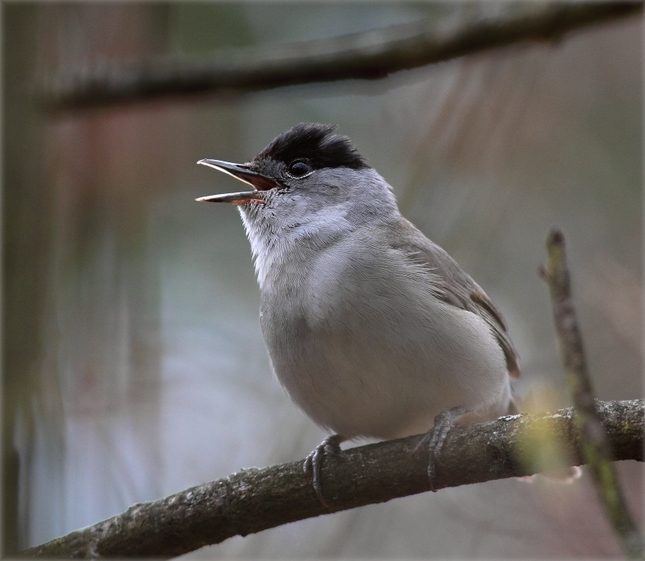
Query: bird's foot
436,437
313,462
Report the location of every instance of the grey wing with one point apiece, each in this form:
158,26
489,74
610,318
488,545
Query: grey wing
457,288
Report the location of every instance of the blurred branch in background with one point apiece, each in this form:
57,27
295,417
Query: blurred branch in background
366,56
596,448
253,500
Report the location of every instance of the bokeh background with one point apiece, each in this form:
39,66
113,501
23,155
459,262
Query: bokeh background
134,366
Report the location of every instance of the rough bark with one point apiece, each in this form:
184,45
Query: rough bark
253,500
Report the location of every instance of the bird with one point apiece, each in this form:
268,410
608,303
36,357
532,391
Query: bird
373,329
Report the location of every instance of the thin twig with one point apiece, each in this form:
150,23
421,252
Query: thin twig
595,445
256,499
361,56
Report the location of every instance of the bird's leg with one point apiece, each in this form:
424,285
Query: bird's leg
436,436
313,462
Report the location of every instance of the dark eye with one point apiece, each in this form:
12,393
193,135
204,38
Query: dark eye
299,168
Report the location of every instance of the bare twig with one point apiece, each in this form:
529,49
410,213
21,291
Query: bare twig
595,444
256,499
364,56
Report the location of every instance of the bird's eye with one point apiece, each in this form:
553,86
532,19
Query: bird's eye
299,168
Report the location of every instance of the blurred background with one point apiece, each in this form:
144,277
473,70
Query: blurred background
134,366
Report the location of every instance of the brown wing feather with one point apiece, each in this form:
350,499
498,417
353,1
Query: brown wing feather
459,289
493,316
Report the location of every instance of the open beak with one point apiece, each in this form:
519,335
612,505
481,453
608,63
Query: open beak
243,172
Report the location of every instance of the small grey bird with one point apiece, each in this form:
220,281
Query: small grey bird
373,329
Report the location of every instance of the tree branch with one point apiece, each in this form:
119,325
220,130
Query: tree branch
254,499
596,449
364,56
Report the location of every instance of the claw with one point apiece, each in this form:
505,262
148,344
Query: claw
436,437
313,463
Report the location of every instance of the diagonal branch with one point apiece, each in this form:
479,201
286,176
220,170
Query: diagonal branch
361,56
253,500
596,449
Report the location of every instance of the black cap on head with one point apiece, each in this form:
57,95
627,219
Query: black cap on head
316,144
